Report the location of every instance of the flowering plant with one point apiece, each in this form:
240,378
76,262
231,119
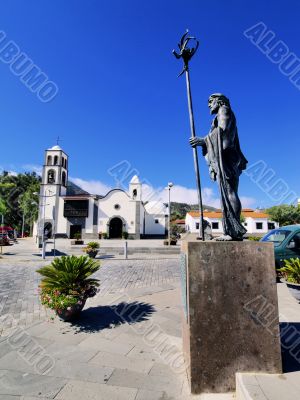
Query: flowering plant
66,282
91,247
59,301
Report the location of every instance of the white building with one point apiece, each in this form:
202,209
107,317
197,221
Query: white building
256,221
66,209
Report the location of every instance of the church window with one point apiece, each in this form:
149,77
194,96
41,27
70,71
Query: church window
117,206
55,160
51,176
156,221
63,178
49,160
134,193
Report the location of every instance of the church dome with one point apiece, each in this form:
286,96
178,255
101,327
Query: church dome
56,147
135,179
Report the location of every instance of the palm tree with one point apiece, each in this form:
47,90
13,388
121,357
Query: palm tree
70,275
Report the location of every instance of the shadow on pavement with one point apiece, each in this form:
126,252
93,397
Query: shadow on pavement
290,346
94,319
51,254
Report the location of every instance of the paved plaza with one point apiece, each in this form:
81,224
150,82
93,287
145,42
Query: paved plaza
126,344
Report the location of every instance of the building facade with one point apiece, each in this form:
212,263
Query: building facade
255,221
66,210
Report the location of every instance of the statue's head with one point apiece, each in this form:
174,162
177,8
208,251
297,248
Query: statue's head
217,100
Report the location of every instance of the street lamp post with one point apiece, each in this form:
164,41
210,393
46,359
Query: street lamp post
170,184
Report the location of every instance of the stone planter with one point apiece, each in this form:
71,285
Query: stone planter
72,313
92,254
79,242
294,288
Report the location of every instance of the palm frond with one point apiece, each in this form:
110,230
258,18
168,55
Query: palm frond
69,273
291,270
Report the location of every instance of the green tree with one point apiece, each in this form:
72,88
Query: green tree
284,214
2,207
29,205
12,188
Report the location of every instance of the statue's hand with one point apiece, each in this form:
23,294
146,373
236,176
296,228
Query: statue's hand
197,141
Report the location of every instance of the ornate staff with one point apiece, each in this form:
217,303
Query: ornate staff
186,54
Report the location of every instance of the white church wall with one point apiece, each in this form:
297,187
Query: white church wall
142,217
154,224
126,210
89,220
49,204
155,220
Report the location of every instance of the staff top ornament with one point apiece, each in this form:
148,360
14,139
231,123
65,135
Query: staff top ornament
186,53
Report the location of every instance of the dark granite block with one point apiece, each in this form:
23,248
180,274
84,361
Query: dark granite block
232,313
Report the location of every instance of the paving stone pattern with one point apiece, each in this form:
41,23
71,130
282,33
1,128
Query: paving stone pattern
19,285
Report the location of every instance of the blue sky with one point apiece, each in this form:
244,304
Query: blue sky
120,99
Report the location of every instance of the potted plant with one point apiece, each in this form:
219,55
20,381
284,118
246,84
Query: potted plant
105,235
92,249
125,235
291,276
77,237
173,241
67,283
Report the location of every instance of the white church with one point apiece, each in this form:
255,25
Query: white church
66,210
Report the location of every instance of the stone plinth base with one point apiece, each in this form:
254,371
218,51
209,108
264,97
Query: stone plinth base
230,319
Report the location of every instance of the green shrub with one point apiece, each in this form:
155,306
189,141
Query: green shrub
291,270
125,235
77,236
66,282
93,245
105,235
69,275
254,238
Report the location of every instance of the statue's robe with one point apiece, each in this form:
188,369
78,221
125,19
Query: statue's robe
226,163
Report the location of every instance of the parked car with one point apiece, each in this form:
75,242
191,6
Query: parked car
4,239
286,243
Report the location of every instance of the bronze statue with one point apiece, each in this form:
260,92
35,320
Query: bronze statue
226,162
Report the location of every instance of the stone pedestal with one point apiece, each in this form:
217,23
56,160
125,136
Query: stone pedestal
230,317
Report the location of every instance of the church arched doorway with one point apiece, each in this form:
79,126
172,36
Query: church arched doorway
115,228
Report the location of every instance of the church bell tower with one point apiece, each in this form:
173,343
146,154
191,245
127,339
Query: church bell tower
54,185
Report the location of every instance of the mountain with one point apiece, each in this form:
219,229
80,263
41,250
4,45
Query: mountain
179,210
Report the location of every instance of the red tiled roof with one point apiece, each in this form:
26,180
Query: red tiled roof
247,212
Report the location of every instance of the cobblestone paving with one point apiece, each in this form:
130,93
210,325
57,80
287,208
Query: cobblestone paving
121,276
19,285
